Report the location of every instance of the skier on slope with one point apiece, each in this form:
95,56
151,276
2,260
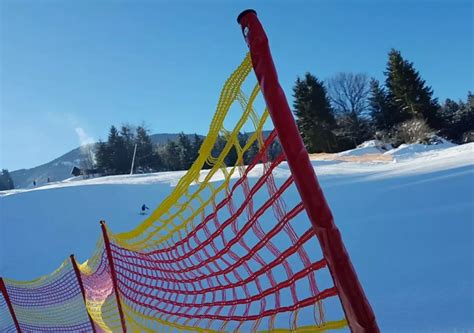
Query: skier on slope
144,209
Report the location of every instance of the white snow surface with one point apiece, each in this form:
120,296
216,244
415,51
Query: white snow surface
407,225
368,147
408,150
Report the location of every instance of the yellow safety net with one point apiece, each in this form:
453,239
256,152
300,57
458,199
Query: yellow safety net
230,249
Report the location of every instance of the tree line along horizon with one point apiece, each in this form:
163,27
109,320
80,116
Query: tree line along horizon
333,115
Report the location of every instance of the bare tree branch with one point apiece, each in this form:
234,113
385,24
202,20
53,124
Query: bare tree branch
349,92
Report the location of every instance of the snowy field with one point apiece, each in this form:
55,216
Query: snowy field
407,223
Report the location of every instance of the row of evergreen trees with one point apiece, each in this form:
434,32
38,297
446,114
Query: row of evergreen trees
349,108
332,116
115,155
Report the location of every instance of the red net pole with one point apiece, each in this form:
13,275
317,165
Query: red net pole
81,286
4,291
113,274
358,312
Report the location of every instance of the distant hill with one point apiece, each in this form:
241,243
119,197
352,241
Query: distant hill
56,170
60,168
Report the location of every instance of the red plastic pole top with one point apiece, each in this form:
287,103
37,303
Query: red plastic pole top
356,307
282,117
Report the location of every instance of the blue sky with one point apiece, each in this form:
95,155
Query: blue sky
71,69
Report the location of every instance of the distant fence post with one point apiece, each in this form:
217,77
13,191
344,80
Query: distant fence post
3,288
113,274
81,286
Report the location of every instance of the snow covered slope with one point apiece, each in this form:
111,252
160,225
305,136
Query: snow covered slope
407,224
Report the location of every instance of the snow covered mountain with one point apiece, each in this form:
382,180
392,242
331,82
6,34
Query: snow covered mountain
407,222
60,168
56,170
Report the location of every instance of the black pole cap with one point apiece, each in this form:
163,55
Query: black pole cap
245,12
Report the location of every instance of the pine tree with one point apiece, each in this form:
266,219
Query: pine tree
275,150
185,151
458,119
314,115
114,142
242,139
107,155
467,119
121,147
126,132
157,163
115,156
172,160
195,147
379,107
231,157
407,93
6,181
102,156
146,158
219,146
250,154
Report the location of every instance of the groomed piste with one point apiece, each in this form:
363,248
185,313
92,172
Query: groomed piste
214,256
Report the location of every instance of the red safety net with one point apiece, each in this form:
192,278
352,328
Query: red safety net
249,264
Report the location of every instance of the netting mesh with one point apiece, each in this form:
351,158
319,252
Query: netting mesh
101,300
6,321
50,303
231,248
